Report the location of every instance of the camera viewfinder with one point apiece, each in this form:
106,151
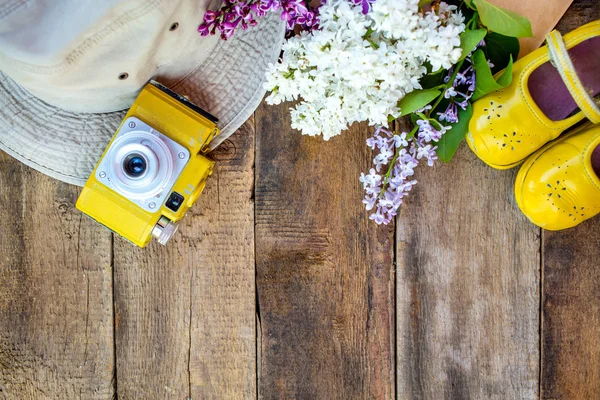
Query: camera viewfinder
174,201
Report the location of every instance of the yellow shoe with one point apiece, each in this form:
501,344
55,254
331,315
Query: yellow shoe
510,124
558,187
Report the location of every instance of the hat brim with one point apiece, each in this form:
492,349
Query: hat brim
67,145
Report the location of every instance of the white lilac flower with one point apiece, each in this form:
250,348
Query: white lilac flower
358,66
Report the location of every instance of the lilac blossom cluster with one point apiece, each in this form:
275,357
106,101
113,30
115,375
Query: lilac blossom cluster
459,93
244,13
400,154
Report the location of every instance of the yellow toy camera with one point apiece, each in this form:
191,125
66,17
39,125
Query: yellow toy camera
153,169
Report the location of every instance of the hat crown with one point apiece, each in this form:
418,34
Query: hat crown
95,56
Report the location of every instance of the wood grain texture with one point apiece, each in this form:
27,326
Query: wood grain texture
579,13
467,286
571,289
56,321
186,312
223,363
324,271
571,313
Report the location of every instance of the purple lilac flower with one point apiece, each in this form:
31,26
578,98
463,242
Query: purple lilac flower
427,152
459,93
242,14
401,154
366,4
471,82
451,113
428,133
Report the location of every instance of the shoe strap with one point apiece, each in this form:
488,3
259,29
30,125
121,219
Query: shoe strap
563,63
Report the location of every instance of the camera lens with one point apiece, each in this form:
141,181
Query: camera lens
140,166
134,165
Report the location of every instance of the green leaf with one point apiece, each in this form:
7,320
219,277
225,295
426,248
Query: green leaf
506,78
498,49
414,118
470,39
469,4
430,81
503,21
485,82
450,140
417,99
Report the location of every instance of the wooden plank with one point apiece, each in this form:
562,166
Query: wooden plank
186,312
571,312
324,271
223,364
56,314
467,286
571,279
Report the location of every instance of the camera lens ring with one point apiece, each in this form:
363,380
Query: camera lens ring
159,165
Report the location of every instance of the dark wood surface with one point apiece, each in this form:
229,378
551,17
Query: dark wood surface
56,314
278,285
570,367
185,314
467,287
324,271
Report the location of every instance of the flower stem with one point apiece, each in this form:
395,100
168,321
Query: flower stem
411,134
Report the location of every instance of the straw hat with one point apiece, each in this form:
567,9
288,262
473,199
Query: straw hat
69,69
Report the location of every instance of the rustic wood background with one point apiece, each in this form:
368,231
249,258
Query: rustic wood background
278,285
